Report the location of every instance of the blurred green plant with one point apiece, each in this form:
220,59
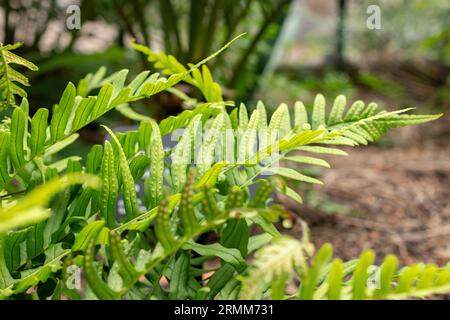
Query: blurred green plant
186,29
411,27
383,86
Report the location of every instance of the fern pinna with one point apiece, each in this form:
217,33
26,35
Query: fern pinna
11,79
225,164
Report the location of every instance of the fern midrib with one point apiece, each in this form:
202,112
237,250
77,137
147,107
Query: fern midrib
7,81
345,125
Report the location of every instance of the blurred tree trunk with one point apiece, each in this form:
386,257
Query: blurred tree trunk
267,62
8,32
339,59
278,12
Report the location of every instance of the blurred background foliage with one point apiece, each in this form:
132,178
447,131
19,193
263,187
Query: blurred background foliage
189,30
293,49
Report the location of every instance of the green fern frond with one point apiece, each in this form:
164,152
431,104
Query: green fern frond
382,282
182,153
96,283
22,146
273,261
129,190
154,182
321,278
364,123
171,239
74,111
168,64
209,144
202,80
191,188
10,79
186,208
110,187
32,208
264,144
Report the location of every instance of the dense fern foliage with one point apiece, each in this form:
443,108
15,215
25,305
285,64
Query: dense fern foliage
217,177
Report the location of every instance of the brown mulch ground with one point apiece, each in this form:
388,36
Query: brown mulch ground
403,192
